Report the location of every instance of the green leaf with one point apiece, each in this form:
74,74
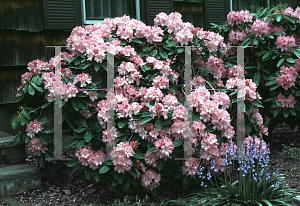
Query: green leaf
177,143
138,155
41,161
247,42
280,62
80,144
290,60
185,182
151,150
180,50
96,176
266,56
293,112
42,138
209,128
248,127
276,112
270,83
257,78
163,54
74,103
23,120
17,138
278,18
285,113
37,87
104,169
125,185
158,123
48,131
133,172
296,52
145,47
31,90
170,36
255,42
72,162
96,66
145,120
79,130
120,178
136,40
15,121
122,123
160,164
274,87
153,52
38,80
87,172
83,123
256,103
88,136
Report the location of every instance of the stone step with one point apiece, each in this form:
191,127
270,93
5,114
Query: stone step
10,152
16,178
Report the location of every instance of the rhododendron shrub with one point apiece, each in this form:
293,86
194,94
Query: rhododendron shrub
152,128
272,61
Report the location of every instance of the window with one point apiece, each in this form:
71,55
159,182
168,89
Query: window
97,10
192,11
251,5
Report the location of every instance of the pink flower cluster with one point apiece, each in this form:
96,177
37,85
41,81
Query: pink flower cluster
158,110
238,35
37,66
250,90
286,102
260,27
216,67
33,128
164,147
290,11
198,82
190,167
150,179
255,114
83,78
87,157
36,147
161,82
287,77
283,42
121,156
237,17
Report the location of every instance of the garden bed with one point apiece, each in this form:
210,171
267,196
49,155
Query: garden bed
67,188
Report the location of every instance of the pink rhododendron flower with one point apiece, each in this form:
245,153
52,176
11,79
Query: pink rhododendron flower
36,147
33,128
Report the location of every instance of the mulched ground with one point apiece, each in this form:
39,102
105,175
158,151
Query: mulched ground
68,188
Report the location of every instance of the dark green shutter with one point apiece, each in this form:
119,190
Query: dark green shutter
290,3
62,14
154,7
215,10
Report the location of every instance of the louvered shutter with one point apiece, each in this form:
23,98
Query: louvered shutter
288,2
154,7
62,14
215,10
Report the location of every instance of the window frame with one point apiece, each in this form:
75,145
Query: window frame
86,22
230,4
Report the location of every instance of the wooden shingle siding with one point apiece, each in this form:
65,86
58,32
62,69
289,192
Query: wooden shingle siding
24,15
154,7
19,48
62,14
